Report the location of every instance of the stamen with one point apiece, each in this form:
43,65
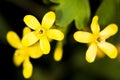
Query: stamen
99,39
41,31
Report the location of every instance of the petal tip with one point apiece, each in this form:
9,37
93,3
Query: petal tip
75,36
90,60
51,13
114,27
114,55
95,18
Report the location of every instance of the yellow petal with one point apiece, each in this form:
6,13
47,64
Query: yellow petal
31,22
109,31
58,54
55,34
109,49
100,54
44,45
91,53
26,30
18,58
29,39
27,68
48,20
83,37
95,26
13,39
35,51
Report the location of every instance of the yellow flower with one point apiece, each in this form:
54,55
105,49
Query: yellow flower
97,40
42,32
22,53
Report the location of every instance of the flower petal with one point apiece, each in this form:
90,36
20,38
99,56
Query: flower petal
55,34
91,53
109,31
83,37
13,39
58,53
18,58
27,68
35,51
26,30
100,54
48,20
95,26
31,22
29,39
44,45
109,49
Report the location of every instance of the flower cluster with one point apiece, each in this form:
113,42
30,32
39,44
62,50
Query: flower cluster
22,53
34,43
36,37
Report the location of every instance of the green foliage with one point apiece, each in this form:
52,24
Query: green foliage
69,10
3,29
107,12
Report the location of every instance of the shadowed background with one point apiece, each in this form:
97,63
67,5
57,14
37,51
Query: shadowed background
73,65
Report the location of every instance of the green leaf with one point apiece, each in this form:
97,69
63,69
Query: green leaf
107,12
3,29
69,10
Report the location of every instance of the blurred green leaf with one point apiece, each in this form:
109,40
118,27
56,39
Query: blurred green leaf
69,10
3,29
107,12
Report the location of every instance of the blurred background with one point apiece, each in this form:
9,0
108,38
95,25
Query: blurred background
73,65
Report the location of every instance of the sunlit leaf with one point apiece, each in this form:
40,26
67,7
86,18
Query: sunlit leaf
69,10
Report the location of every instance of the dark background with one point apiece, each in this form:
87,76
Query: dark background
11,18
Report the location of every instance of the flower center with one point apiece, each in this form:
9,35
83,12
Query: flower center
40,32
99,39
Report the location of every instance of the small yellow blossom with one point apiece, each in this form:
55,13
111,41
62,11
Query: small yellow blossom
58,53
41,32
22,53
97,40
